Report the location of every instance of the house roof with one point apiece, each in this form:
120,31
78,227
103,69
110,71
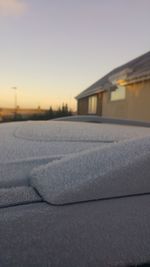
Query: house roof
133,71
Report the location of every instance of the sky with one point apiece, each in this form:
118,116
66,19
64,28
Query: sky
51,50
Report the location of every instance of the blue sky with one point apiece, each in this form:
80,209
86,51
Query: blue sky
53,49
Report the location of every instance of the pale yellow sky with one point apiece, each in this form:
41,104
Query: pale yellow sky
32,100
54,49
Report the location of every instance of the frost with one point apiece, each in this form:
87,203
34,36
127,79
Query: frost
28,145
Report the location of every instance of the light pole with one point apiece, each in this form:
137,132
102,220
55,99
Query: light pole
15,100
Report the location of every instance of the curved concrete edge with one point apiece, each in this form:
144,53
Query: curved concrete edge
125,122
18,196
121,169
99,119
80,118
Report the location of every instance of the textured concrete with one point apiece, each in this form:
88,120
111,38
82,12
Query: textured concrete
95,234
119,169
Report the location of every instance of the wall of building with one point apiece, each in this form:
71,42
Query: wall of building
136,106
83,105
99,104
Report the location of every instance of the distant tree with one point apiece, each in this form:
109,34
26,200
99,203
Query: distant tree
63,111
18,117
39,108
67,112
58,113
50,113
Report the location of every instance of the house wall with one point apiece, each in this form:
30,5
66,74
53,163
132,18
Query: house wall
136,106
99,104
83,105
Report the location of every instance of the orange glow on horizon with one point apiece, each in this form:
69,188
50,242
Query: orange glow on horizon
31,101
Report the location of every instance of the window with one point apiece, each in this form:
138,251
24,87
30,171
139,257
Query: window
92,108
118,94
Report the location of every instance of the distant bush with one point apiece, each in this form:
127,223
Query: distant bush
50,114
60,112
16,117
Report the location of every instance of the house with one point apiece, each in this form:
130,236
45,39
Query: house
124,93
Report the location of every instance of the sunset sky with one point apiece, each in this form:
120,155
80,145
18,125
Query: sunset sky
53,49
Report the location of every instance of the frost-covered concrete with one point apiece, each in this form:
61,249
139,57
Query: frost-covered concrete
54,131
112,232
120,169
27,145
19,195
100,119
18,156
